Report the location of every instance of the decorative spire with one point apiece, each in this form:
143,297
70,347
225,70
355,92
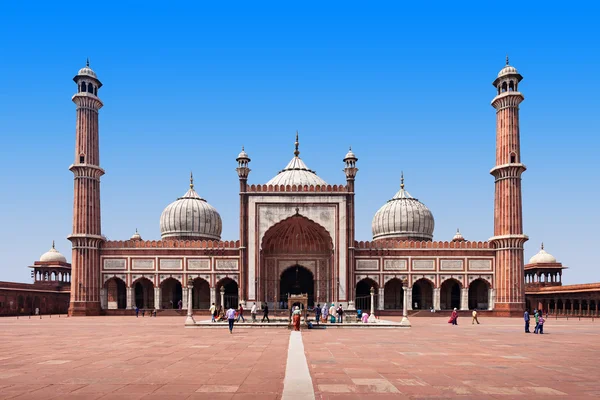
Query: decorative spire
191,180
542,245
296,151
402,180
87,62
243,148
136,230
53,244
507,59
457,231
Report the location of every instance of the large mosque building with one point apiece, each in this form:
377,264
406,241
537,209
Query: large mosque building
297,235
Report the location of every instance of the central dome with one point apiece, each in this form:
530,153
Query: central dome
190,217
403,217
296,173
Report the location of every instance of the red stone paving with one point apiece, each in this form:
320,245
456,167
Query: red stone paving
156,358
436,360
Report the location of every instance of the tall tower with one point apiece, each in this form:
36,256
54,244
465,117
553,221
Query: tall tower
86,238
350,170
243,171
508,239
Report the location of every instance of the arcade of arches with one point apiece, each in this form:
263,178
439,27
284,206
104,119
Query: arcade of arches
296,257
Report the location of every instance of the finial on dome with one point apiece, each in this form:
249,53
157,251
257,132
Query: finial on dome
296,151
243,148
87,62
457,230
542,245
53,244
507,59
402,180
191,180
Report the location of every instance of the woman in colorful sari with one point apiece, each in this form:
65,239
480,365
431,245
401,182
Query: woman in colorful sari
453,318
296,318
324,312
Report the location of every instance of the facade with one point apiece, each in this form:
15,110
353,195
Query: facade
48,294
297,235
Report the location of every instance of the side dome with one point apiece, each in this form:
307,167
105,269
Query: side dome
542,257
53,255
190,217
403,217
296,173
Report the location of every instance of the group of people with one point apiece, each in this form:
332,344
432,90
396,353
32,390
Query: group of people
328,313
454,317
233,315
539,321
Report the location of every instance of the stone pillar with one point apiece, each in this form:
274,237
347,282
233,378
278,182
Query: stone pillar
130,298
184,297
406,302
372,300
213,295
436,299
223,297
464,299
380,299
491,298
408,297
157,298
190,318
103,299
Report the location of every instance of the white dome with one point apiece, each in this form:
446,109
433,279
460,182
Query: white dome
350,155
53,255
190,217
87,71
136,236
403,217
296,173
458,237
542,257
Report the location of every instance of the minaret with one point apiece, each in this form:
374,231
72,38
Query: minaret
86,238
508,236
350,170
243,171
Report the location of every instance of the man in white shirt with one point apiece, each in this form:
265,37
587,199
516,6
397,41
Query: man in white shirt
212,310
230,314
253,312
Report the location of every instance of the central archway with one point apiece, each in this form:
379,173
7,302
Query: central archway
296,280
296,257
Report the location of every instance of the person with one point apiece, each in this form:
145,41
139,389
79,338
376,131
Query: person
253,312
453,318
365,318
213,312
324,312
220,314
541,324
526,318
137,311
230,318
475,317
537,321
296,318
240,314
340,313
318,313
265,313
332,313
180,304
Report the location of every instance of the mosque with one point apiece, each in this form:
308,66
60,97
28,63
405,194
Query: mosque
297,235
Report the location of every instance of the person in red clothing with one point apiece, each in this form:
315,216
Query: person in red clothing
240,314
453,318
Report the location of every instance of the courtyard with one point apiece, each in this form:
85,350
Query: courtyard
157,358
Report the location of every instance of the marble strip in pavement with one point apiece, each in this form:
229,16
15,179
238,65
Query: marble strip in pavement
297,383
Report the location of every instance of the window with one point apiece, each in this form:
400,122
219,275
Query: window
82,159
513,158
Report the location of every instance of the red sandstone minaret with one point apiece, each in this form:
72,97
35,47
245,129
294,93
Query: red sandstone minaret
87,236
508,209
350,170
243,171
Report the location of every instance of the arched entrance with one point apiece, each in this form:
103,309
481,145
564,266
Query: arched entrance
230,297
363,294
117,294
450,295
171,292
200,294
478,295
296,280
422,295
144,293
393,296
296,255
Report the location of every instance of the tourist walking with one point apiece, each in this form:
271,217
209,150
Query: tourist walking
537,321
253,312
180,304
213,312
541,324
475,317
318,313
340,313
296,318
325,312
265,313
332,313
240,314
526,318
137,311
230,318
453,318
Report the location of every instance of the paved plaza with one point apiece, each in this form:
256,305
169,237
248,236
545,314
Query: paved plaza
157,358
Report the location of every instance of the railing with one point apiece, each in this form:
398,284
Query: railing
364,303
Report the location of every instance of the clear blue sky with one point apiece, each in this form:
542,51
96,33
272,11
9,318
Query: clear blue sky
408,86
